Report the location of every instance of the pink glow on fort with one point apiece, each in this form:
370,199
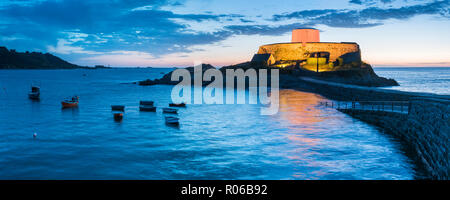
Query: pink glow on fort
305,35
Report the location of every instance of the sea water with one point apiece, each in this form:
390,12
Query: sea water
303,141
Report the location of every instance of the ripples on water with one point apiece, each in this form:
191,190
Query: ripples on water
303,141
418,79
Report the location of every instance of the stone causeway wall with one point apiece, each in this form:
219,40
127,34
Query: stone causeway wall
424,132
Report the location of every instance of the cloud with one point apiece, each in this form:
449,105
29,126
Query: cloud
367,17
121,58
264,29
64,47
246,20
370,2
105,25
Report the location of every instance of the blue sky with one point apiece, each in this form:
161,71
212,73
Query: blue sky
166,33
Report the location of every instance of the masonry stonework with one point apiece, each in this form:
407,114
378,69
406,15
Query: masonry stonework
350,52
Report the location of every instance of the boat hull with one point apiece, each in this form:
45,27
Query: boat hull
69,105
118,108
170,111
147,108
174,121
118,116
179,105
34,96
146,103
35,93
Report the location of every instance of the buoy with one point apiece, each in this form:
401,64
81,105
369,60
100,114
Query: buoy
34,135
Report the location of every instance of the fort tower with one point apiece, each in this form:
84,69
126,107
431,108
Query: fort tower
305,35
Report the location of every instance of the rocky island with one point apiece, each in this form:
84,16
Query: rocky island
363,76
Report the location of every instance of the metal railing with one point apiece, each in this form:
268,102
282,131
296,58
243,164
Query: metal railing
386,106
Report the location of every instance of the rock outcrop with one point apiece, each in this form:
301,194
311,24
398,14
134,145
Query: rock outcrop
166,79
364,75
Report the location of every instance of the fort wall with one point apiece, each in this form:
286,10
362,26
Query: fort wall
300,51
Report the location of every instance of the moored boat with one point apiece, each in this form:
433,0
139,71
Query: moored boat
35,93
170,110
118,116
146,103
118,108
182,105
147,108
70,103
172,120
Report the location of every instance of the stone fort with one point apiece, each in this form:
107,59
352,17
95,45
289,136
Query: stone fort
306,49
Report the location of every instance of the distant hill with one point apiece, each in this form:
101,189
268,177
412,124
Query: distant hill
10,59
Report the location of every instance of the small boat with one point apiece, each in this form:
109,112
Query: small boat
35,93
118,117
146,103
147,108
170,110
182,105
118,108
172,121
70,103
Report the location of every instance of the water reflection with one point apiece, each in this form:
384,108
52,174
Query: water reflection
299,108
326,144
70,111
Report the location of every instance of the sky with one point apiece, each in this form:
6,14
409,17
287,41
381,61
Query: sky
175,33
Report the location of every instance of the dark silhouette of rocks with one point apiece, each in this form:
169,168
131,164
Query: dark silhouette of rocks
362,75
166,79
10,59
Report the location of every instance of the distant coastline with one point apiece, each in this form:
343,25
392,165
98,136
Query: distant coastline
11,59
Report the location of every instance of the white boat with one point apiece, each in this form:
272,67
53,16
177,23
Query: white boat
35,93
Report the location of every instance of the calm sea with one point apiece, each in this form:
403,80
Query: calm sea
418,79
303,141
